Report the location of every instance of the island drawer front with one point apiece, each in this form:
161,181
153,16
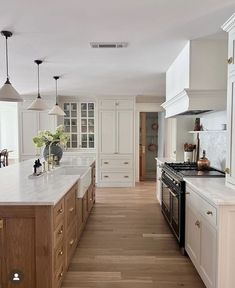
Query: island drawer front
207,210
120,163
59,234
70,206
59,255
71,243
116,176
58,213
59,274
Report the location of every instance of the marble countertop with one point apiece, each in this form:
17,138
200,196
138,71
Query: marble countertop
18,189
212,189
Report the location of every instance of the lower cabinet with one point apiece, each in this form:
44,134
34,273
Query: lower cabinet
201,237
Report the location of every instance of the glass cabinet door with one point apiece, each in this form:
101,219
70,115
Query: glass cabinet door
71,123
87,126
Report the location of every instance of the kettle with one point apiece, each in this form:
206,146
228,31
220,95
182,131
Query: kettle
203,163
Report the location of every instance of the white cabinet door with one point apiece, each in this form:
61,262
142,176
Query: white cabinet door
107,104
208,254
29,129
47,122
125,132
107,132
124,104
231,50
192,237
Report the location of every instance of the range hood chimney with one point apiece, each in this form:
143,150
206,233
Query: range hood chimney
194,102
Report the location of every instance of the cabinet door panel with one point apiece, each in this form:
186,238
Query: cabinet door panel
125,132
47,122
107,104
208,253
192,235
124,104
107,132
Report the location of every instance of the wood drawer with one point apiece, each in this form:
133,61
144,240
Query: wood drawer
58,213
207,210
59,255
116,176
59,234
71,243
84,208
90,198
113,163
70,206
59,274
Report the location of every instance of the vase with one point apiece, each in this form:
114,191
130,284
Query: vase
55,150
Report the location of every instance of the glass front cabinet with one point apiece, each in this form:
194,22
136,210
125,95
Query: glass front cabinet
79,123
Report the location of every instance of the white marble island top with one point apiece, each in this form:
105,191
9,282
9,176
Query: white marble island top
212,189
17,189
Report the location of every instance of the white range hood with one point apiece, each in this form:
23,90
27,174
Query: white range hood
195,101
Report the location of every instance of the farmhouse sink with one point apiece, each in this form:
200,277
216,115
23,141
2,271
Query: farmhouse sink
85,177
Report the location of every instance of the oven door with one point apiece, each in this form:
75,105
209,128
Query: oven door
166,200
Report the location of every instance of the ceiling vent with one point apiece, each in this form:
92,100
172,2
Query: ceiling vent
109,44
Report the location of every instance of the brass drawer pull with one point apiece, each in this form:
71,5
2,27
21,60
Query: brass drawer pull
60,275
126,162
60,231
106,162
60,253
60,211
106,176
126,176
71,209
71,242
230,60
209,213
197,223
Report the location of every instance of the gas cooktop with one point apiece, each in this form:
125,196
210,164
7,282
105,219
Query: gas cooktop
190,169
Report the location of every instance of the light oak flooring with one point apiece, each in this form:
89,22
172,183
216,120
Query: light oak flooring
127,244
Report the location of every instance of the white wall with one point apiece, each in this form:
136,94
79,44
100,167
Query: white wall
177,76
9,128
214,143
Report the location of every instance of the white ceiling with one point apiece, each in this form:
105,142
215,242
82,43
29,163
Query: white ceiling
60,31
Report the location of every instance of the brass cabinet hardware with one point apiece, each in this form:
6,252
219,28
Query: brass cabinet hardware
197,223
60,275
126,176
209,213
60,211
230,60
71,209
126,162
106,162
60,253
227,170
71,242
1,223
106,176
60,231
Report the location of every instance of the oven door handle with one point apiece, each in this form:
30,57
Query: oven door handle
173,194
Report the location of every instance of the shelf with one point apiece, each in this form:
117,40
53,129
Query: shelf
207,131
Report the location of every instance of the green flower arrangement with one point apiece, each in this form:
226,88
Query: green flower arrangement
46,137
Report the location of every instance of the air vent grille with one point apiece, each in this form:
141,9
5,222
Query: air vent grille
109,44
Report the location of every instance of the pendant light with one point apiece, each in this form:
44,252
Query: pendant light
56,110
38,104
8,92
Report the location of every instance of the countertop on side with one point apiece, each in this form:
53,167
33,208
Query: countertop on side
17,189
212,189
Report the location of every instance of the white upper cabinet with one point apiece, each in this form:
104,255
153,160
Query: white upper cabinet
196,80
125,141
229,26
107,132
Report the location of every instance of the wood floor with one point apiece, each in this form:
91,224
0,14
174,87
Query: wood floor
127,244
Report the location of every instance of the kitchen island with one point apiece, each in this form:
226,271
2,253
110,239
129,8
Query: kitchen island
41,219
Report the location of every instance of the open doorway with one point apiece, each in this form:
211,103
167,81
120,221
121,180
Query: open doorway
148,145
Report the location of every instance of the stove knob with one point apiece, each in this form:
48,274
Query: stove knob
177,184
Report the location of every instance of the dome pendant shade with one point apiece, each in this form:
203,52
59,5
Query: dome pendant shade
8,93
56,110
38,105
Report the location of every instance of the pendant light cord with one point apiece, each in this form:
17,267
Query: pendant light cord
56,92
38,84
7,59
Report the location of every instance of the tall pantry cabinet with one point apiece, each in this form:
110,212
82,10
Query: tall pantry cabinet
229,27
116,143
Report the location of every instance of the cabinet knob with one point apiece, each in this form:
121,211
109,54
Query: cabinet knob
126,162
227,170
230,60
71,209
197,223
126,176
60,275
60,231
187,193
106,162
60,253
209,213
60,211
106,176
71,242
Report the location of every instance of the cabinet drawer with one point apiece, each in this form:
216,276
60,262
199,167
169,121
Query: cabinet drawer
58,213
71,243
123,104
70,206
120,163
207,210
84,208
116,176
59,234
90,198
59,255
59,274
